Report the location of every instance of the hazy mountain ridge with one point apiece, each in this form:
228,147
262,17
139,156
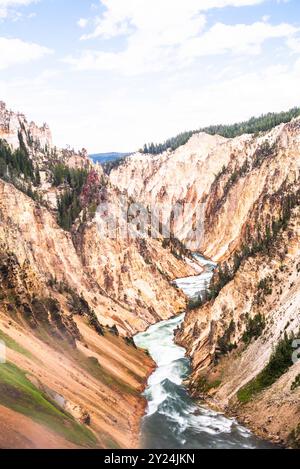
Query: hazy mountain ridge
109,157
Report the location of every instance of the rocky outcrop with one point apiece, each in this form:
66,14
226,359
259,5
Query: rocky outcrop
20,298
11,124
135,271
16,130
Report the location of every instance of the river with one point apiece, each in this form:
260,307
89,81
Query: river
173,419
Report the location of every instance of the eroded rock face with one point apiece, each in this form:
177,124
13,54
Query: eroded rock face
134,271
244,185
221,182
96,270
95,377
14,128
12,123
139,281
247,192
266,285
73,301
78,413
126,283
182,177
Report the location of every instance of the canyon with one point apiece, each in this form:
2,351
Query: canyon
71,300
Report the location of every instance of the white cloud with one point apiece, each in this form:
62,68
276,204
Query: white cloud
83,22
294,44
16,51
5,5
166,19
153,28
239,38
176,41
120,17
170,34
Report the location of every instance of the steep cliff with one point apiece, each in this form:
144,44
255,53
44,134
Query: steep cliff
245,194
126,281
70,300
236,341
15,129
70,381
218,182
241,341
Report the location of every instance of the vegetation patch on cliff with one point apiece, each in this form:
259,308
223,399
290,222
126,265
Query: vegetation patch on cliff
69,203
20,395
17,168
294,438
224,342
280,362
296,383
254,328
13,345
204,386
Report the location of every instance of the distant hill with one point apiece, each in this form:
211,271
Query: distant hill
254,125
103,158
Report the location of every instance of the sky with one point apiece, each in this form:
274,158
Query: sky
111,75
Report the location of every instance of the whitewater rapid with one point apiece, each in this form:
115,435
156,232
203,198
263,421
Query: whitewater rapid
173,419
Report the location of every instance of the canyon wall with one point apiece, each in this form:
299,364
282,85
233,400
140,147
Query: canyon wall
248,190
70,302
218,181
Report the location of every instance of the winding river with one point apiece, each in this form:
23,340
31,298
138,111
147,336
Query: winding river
173,419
